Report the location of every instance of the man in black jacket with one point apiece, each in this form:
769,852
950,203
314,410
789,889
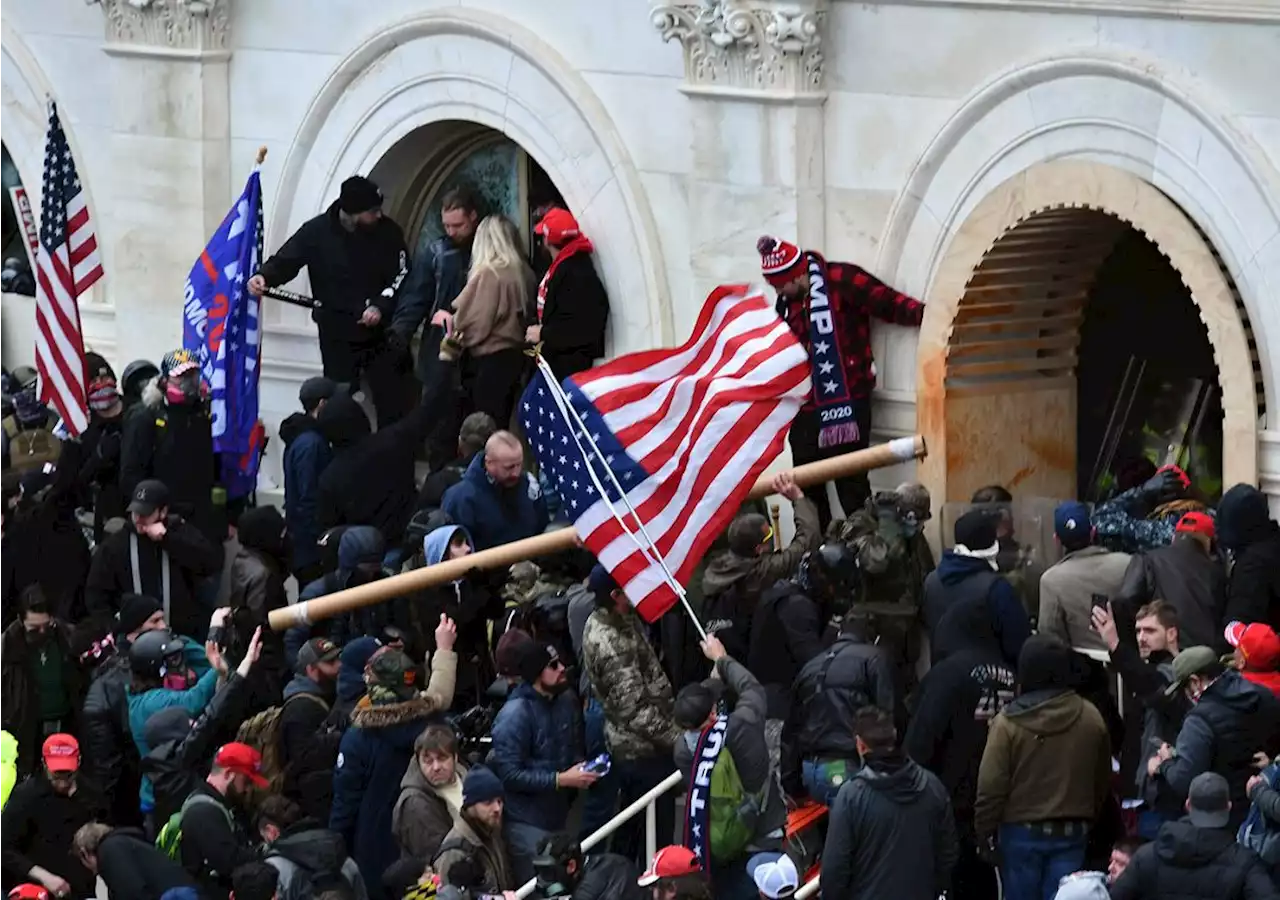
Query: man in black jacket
309,696
1197,856
789,626
1249,534
438,276
357,259
1230,720
41,689
160,555
111,757
371,478
213,841
1185,574
891,832
1146,669
954,707
562,869
128,864
830,689
573,308
41,818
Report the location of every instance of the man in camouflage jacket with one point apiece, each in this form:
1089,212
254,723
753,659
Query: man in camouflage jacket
630,685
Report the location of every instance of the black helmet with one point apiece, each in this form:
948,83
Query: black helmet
833,569
135,375
148,653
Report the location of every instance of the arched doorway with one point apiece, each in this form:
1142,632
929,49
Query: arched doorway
422,166
1040,301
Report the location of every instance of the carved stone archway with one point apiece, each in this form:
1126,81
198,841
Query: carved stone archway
1046,199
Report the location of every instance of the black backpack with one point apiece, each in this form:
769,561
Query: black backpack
728,615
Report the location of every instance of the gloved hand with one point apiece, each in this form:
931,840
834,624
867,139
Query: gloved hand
396,341
989,851
1165,485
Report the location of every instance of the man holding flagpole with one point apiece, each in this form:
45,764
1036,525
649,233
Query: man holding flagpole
829,308
67,265
357,260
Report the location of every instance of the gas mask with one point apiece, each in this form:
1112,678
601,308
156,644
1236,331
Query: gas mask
554,878
888,521
175,676
186,388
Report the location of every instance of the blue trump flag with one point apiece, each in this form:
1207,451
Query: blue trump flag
220,325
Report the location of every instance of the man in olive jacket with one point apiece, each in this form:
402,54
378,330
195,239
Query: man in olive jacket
1045,773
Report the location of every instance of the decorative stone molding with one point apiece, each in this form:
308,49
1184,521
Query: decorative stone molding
168,27
753,46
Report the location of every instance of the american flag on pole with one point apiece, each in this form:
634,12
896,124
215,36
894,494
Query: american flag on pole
67,265
653,453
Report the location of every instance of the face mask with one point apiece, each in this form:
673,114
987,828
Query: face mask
186,388
177,677
38,638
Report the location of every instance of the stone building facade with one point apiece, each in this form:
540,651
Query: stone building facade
966,151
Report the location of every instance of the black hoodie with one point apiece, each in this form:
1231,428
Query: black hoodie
310,857
371,478
1193,863
891,834
1247,531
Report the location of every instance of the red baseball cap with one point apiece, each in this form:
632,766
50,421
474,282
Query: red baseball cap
1196,523
29,892
558,226
61,753
1259,645
670,862
241,759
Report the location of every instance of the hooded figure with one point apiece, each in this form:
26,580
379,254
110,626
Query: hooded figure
470,602
258,573
1045,773
359,557
307,855
371,479
377,748
966,585
1248,533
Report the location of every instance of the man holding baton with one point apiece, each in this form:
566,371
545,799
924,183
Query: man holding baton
357,260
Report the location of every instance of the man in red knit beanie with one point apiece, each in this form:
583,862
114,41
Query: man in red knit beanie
829,308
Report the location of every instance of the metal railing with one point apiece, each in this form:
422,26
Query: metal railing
809,888
645,804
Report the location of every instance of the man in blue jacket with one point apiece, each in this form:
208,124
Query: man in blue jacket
497,501
306,454
537,752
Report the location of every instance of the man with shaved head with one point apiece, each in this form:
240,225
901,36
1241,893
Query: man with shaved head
497,501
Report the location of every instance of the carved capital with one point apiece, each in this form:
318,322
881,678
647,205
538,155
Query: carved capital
183,27
748,45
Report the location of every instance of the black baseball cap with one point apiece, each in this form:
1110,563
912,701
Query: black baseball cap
314,390
149,496
317,650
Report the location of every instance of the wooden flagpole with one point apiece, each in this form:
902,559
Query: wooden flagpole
501,557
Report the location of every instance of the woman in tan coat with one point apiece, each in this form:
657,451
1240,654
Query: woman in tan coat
489,320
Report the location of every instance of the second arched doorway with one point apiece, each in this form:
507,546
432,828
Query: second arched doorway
1034,369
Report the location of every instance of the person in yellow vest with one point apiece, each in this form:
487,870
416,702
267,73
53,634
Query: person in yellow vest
8,765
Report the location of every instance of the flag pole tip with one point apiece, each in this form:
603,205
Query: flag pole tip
262,154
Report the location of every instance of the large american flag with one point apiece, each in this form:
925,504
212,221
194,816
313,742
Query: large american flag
67,265
673,438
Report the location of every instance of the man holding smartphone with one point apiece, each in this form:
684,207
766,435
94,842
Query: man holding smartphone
1087,576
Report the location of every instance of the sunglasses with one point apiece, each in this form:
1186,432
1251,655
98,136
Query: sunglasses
556,664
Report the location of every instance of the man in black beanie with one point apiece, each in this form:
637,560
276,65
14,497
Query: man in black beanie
356,259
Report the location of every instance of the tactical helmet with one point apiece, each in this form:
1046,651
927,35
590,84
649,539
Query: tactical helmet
135,376
832,571
147,655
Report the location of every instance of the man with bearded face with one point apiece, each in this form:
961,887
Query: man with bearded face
497,501
357,260
309,696
41,690
213,842
169,438
41,819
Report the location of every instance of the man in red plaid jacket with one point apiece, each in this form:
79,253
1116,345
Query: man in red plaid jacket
829,308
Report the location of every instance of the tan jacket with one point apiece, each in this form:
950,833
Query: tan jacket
468,841
1066,594
489,313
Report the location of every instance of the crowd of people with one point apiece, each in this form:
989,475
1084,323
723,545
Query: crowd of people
162,742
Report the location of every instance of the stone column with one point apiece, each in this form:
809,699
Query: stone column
754,70
169,184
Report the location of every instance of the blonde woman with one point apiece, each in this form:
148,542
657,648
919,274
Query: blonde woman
489,319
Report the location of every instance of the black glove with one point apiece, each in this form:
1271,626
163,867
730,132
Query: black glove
396,341
1162,486
988,851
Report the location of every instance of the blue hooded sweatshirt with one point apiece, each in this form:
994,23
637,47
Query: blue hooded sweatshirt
492,514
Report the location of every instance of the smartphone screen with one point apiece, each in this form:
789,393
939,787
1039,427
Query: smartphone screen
1100,601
